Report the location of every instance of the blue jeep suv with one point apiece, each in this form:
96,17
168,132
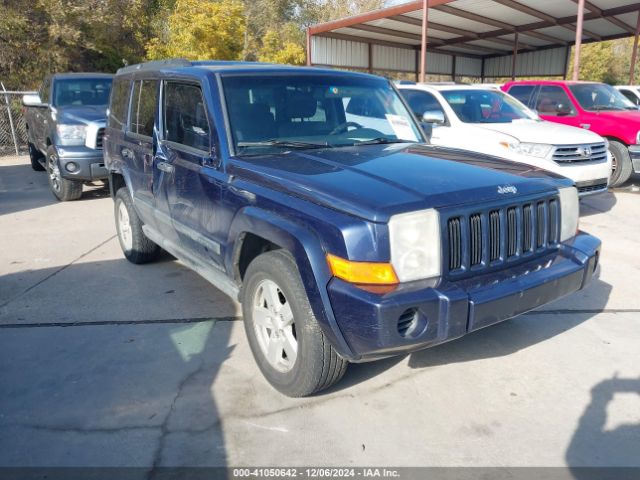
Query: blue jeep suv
313,197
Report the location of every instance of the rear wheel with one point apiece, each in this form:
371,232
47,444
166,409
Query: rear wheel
137,248
36,157
621,166
285,337
63,189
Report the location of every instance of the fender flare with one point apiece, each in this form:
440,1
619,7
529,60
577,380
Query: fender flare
309,255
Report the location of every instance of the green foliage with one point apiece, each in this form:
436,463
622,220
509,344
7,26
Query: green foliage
607,62
200,30
282,46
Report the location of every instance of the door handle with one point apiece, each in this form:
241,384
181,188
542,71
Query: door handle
165,167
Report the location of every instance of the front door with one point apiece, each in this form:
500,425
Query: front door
194,184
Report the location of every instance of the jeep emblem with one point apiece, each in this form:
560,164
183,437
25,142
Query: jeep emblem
507,189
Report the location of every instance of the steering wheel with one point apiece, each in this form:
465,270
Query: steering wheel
343,127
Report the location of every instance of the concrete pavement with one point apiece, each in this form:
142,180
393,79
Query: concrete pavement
104,363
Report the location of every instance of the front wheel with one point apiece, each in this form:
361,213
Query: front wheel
284,335
621,166
63,189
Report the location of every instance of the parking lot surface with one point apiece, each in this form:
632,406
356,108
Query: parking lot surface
105,363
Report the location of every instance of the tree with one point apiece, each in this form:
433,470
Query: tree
283,46
200,30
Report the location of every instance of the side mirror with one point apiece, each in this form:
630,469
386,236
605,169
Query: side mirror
563,110
434,117
32,100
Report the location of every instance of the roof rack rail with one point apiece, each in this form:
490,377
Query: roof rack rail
155,65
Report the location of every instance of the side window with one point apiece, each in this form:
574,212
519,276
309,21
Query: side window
634,98
119,103
554,101
522,93
143,107
421,102
185,118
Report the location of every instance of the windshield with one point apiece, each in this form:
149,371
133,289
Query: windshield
272,113
81,92
599,96
485,106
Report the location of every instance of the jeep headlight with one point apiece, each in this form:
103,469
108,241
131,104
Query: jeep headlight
416,251
72,134
537,150
569,212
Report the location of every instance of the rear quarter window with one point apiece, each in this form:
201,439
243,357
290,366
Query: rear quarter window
143,107
119,105
522,93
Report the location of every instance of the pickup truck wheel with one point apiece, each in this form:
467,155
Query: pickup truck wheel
63,189
285,338
621,166
35,156
137,248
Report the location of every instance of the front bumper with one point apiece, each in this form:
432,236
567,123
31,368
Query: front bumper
372,323
89,163
634,152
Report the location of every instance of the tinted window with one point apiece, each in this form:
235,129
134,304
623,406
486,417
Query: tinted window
81,92
485,106
143,107
119,103
421,102
522,92
554,101
185,119
599,96
268,113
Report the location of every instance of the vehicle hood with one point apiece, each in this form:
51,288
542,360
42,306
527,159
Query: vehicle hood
377,181
84,114
543,132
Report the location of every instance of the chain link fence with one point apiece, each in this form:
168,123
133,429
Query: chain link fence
13,127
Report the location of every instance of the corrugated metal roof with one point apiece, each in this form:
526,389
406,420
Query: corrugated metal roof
473,29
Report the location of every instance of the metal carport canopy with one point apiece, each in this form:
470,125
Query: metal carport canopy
472,38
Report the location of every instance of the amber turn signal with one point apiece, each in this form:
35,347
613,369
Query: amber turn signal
363,273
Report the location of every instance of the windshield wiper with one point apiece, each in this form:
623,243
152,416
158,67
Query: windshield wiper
382,141
283,143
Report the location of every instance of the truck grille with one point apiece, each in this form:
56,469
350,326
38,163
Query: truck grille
99,138
486,239
595,152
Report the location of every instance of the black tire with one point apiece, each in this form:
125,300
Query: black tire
63,189
622,167
317,365
140,249
36,156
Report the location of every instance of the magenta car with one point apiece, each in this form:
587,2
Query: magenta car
595,106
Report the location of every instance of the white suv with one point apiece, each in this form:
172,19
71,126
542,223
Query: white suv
483,119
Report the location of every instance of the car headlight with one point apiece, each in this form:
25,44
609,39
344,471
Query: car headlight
538,150
569,213
416,251
72,134
638,137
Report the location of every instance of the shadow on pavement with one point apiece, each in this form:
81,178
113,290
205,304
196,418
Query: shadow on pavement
596,204
594,443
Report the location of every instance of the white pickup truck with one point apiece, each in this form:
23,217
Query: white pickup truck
486,120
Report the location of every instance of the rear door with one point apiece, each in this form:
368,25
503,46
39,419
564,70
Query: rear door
193,183
137,146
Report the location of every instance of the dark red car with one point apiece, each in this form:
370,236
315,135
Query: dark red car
595,106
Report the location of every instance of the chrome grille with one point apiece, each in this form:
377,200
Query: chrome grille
486,239
594,152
